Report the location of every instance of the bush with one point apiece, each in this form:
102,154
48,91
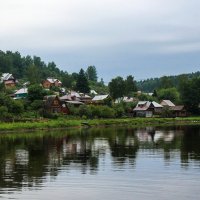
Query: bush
107,112
96,111
4,113
50,115
119,110
85,111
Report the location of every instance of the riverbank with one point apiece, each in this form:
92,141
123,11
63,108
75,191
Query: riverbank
66,123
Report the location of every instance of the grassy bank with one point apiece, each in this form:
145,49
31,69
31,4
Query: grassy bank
66,123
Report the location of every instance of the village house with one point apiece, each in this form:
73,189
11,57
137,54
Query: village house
49,82
147,109
71,100
52,104
76,98
21,93
86,99
8,80
100,99
176,111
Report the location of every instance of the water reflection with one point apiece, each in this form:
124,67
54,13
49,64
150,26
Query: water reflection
31,159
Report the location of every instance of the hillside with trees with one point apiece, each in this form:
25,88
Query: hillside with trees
151,84
34,70
182,89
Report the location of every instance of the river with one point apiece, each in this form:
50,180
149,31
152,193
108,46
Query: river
111,163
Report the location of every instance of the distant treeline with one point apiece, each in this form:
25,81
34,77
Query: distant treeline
19,66
151,84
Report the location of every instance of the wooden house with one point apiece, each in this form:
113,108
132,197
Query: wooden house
86,99
52,104
49,82
71,100
8,80
142,109
178,111
147,109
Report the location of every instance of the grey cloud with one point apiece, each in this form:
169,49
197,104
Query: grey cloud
118,36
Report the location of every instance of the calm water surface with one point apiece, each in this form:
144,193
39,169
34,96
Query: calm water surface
107,163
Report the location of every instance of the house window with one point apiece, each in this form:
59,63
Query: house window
56,102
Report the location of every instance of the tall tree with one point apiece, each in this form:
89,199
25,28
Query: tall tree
130,85
36,92
117,87
82,84
67,80
169,94
33,74
92,73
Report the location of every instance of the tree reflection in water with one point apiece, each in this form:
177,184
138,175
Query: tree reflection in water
26,160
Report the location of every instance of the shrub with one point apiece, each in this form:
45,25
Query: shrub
107,112
96,111
85,111
119,110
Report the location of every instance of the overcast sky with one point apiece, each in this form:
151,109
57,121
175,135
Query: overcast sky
144,38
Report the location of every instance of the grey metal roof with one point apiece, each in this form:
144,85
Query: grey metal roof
22,91
6,76
167,103
156,105
100,97
53,80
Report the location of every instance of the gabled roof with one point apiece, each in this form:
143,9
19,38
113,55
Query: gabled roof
93,92
100,97
6,76
49,100
167,103
142,106
66,97
142,102
75,102
177,108
53,80
156,105
22,91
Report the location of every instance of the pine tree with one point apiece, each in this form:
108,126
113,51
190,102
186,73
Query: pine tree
82,84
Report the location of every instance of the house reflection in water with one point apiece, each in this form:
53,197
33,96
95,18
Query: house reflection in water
150,134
